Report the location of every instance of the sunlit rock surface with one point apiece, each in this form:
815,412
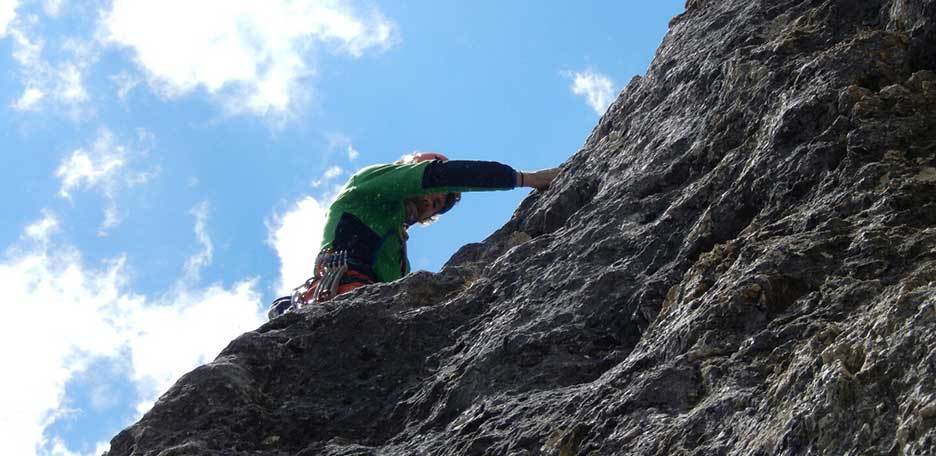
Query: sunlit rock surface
741,259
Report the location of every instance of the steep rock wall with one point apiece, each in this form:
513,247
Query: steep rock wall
741,259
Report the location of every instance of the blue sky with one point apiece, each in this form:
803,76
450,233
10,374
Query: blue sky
167,165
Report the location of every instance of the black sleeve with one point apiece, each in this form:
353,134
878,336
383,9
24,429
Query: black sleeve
469,173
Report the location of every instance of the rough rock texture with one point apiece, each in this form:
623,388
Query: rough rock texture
740,260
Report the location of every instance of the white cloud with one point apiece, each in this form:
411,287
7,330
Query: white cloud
125,83
97,168
353,154
253,54
29,99
27,52
333,172
102,167
296,236
597,89
70,300
52,7
42,229
7,14
86,314
70,86
195,324
343,143
203,258
57,448
43,81
327,176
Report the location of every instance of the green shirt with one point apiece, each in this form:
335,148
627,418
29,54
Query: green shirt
368,218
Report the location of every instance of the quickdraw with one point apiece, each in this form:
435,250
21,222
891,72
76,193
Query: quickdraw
330,266
332,275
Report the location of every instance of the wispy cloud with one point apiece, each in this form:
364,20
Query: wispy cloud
125,83
96,318
206,318
29,100
338,142
44,82
353,153
7,14
254,53
329,175
97,168
203,258
42,229
104,168
52,7
333,172
596,88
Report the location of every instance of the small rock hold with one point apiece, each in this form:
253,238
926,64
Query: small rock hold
828,335
852,357
752,292
696,355
927,411
894,91
851,95
894,155
904,433
917,79
869,106
271,440
630,435
929,90
865,432
517,238
926,176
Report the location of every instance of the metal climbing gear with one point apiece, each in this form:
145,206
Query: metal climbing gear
330,267
279,307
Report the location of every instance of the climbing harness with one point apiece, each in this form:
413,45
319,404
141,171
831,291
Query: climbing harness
332,277
330,266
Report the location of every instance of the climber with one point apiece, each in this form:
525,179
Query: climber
366,226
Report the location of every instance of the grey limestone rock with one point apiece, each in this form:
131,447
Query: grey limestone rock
741,259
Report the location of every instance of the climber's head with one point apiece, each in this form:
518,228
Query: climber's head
420,156
426,209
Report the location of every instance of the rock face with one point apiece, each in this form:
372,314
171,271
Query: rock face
741,259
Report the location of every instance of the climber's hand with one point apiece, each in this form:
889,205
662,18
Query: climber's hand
539,180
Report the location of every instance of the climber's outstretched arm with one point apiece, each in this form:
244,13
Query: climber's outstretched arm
484,175
539,180
400,181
